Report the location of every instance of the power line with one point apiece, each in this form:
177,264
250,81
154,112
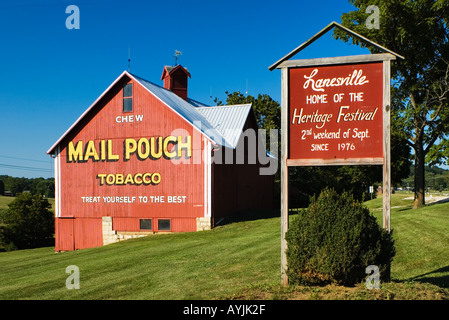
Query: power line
11,166
17,158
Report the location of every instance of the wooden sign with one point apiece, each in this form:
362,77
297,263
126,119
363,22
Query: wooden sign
335,113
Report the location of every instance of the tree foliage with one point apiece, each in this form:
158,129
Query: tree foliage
419,31
266,110
28,223
45,187
308,181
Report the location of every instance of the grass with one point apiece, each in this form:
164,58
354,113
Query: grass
4,201
202,265
236,261
421,238
388,291
423,244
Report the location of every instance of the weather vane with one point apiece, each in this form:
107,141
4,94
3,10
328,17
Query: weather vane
177,53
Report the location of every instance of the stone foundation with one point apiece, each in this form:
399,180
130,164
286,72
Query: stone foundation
112,236
203,223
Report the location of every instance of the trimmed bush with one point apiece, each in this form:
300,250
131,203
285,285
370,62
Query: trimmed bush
334,240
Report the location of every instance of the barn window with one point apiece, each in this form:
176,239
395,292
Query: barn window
145,224
163,225
128,97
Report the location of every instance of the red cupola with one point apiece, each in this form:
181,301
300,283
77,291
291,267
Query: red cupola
175,80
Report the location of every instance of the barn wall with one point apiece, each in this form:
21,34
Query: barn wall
240,187
87,233
203,191
133,224
77,233
80,192
64,231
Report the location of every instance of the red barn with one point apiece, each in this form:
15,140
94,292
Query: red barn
146,159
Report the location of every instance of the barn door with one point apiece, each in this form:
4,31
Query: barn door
65,235
88,233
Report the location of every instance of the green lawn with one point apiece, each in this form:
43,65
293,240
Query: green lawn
238,260
201,265
421,237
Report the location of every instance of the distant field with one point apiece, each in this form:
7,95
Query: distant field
5,200
235,261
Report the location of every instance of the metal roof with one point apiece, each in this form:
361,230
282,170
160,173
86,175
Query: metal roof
196,103
185,110
221,124
228,120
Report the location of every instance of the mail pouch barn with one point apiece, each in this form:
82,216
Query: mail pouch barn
146,159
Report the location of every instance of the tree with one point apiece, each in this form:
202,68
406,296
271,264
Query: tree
266,110
45,187
29,222
418,30
308,181
400,152
17,185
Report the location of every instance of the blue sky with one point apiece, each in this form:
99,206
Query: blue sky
51,74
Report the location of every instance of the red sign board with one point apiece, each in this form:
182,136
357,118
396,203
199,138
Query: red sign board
335,112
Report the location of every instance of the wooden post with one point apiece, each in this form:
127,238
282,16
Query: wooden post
284,64
386,147
284,173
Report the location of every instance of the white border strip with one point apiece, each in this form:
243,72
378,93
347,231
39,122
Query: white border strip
57,183
206,174
208,164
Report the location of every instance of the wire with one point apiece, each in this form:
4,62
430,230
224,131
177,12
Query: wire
11,166
16,158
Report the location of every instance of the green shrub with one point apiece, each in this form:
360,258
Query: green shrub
3,213
28,223
334,240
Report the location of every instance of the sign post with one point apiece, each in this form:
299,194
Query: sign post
284,175
334,111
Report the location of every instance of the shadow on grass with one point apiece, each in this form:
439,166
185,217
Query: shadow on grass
438,277
250,216
404,208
